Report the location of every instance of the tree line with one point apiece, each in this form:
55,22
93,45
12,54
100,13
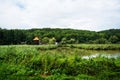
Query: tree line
63,36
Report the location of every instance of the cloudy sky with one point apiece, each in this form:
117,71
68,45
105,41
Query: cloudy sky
93,15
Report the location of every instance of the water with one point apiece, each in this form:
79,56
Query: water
103,53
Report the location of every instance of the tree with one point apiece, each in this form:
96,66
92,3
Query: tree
45,40
1,37
52,40
16,36
63,41
113,39
101,41
71,41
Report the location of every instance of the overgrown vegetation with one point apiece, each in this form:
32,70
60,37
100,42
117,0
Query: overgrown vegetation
64,36
51,62
96,46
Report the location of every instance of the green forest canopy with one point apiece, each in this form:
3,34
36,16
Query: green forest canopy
48,35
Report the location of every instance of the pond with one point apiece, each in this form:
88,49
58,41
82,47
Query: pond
103,53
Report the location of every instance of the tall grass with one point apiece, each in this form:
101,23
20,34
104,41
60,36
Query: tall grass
96,46
61,63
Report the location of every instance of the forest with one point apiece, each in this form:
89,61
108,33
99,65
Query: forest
64,36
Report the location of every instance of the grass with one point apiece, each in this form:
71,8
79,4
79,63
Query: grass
96,46
51,62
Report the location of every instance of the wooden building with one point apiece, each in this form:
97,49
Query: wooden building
36,40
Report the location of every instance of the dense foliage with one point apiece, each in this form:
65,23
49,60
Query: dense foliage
47,35
51,62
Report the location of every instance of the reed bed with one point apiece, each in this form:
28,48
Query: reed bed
96,46
50,62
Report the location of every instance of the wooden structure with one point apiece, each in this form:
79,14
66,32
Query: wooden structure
36,40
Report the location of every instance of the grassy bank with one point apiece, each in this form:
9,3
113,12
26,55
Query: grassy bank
50,62
96,46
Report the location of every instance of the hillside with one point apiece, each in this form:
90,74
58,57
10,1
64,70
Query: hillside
70,36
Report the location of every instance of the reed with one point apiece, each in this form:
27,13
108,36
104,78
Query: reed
96,46
61,63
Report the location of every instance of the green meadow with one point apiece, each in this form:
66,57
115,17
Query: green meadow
57,62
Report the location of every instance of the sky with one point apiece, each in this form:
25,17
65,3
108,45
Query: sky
95,15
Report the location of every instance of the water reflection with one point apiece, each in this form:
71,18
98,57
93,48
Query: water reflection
108,54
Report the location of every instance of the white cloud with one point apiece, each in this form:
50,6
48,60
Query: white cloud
77,14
